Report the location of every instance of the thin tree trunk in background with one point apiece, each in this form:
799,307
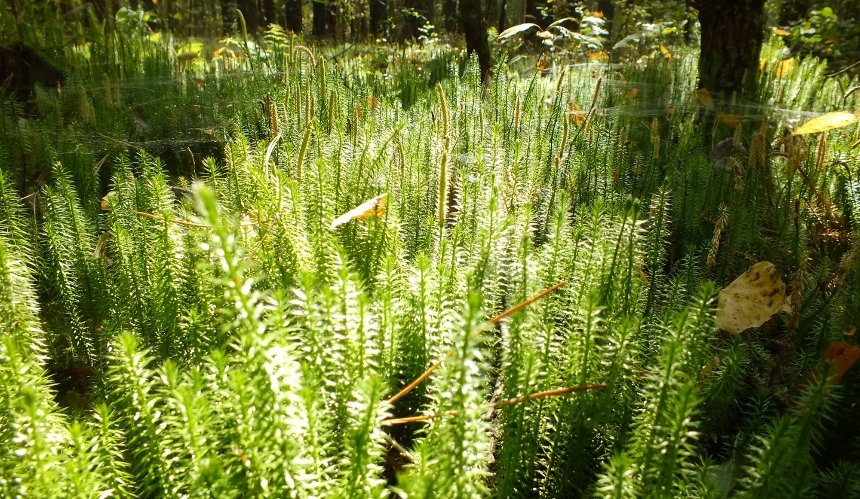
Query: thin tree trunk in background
293,11
474,26
449,7
105,10
268,12
251,14
491,9
319,21
378,16
732,36
531,14
228,15
324,20
607,7
503,16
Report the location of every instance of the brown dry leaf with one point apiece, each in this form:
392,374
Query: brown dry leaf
751,299
371,208
843,356
827,122
541,64
577,115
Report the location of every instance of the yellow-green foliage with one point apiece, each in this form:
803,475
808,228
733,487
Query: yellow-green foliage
180,319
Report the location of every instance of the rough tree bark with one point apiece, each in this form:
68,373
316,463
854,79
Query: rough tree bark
732,35
474,26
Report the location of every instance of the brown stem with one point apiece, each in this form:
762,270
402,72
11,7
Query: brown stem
504,403
495,320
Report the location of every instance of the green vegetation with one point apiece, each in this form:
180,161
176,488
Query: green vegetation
180,316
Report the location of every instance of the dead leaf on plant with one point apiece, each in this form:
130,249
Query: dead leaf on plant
374,207
751,299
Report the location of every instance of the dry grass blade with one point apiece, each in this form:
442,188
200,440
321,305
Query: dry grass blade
495,320
519,306
503,403
417,381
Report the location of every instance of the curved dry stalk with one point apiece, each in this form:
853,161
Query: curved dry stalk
504,403
495,320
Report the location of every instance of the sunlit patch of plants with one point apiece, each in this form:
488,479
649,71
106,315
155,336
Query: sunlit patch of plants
344,277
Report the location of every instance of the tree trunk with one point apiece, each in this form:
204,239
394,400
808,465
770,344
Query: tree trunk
503,16
268,12
732,35
293,9
378,16
607,7
324,19
251,15
450,9
228,15
474,26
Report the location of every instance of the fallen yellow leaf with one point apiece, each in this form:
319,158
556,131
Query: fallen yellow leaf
371,208
665,51
827,122
751,299
781,32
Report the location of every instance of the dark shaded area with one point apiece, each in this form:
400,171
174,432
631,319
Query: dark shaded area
23,68
294,13
323,19
73,386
